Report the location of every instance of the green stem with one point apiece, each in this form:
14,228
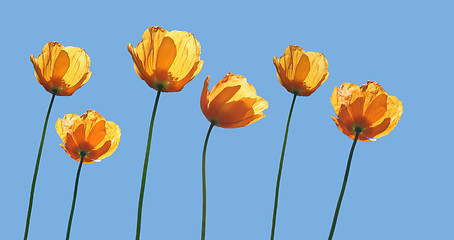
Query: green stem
68,230
278,182
32,191
344,184
204,187
145,164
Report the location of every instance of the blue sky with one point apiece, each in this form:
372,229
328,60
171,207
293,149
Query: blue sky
400,186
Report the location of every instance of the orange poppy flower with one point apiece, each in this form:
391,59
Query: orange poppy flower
232,103
166,59
301,72
368,108
89,134
61,70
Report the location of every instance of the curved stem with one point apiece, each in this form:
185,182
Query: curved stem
344,184
145,164
32,191
76,185
278,181
204,188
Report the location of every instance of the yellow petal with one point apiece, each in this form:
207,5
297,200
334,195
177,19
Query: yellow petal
80,64
188,55
318,70
113,133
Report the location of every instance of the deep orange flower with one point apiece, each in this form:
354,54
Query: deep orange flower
167,59
89,134
232,103
61,70
301,72
368,108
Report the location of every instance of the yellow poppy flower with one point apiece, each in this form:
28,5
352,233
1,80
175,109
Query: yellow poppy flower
89,135
61,70
368,108
301,72
232,103
166,59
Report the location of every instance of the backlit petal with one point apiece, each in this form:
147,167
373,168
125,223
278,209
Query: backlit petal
301,72
89,133
61,70
204,98
223,97
369,107
168,59
166,55
232,102
100,153
96,134
61,65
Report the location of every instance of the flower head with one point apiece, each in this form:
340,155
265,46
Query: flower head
61,70
89,135
166,59
232,103
301,72
368,109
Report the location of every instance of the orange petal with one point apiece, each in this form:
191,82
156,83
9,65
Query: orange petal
61,65
204,98
97,134
374,131
235,111
302,70
245,122
222,98
376,109
166,55
79,135
97,153
356,109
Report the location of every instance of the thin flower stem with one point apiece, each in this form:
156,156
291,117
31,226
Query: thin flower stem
204,211
145,164
32,191
76,185
278,182
344,184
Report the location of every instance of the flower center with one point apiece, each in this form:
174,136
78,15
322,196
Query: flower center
83,153
214,120
296,91
56,89
159,84
358,128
